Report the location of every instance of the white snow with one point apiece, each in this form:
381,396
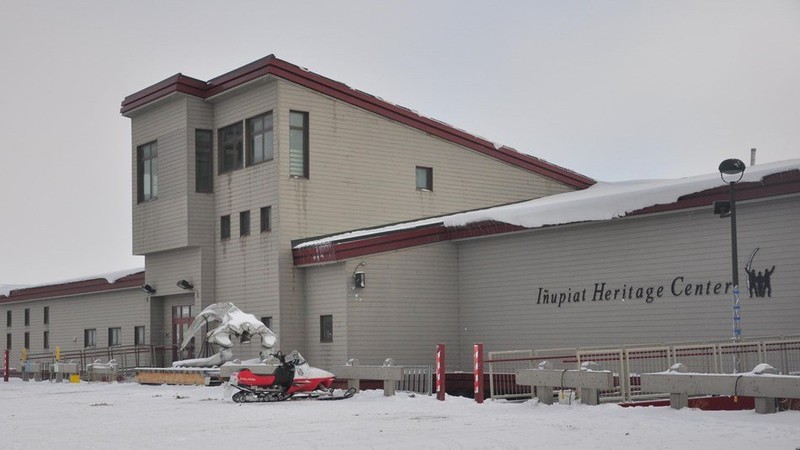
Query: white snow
6,289
130,416
602,201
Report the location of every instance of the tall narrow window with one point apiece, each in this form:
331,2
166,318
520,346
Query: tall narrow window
266,219
298,144
138,335
244,223
27,340
424,178
147,172
203,162
114,336
8,341
231,148
90,337
326,328
46,339
47,315
27,317
259,139
8,318
225,227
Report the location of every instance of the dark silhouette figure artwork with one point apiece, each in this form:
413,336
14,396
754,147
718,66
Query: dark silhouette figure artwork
760,283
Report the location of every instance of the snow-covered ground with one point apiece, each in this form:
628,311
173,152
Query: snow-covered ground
127,415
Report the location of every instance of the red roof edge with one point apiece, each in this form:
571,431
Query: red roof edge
77,287
270,65
783,183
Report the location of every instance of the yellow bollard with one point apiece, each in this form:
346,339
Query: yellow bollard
74,378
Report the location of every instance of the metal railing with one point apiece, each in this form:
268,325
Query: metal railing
417,379
127,357
628,362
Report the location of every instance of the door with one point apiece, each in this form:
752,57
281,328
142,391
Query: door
181,320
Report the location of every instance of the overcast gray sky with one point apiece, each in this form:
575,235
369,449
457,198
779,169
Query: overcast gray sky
612,89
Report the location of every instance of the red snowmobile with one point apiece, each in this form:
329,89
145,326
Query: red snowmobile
290,377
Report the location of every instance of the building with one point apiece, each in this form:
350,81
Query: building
226,173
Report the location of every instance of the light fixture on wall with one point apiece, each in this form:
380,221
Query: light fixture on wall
183,284
147,289
359,277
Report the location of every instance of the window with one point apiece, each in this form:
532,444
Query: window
27,317
326,328
203,161
114,336
47,315
298,144
8,341
244,223
138,335
267,321
8,318
231,147
27,340
259,139
147,172
266,224
90,337
424,178
46,339
225,227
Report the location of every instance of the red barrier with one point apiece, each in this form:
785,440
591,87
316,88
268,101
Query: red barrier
440,388
5,366
477,357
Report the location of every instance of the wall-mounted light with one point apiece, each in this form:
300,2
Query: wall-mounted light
359,277
183,284
147,289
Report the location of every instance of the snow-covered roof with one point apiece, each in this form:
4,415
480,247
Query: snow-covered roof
602,201
110,277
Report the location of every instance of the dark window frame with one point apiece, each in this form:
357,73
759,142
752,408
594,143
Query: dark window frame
225,227
27,342
27,317
147,163
427,182
8,341
114,336
139,339
244,223
267,321
46,339
231,147
204,161
266,219
89,337
46,319
8,318
326,328
267,133
305,134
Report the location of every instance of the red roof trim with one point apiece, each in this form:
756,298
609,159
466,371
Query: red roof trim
773,185
271,65
78,287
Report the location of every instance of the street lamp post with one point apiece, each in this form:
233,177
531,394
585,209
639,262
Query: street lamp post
734,168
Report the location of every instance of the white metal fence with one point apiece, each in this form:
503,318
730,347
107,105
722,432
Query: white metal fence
418,379
628,362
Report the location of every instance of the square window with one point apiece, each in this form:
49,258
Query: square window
147,172
266,219
298,144
46,339
260,144
424,178
326,328
244,223
47,315
231,148
114,336
138,335
267,321
225,227
27,317
90,337
203,161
